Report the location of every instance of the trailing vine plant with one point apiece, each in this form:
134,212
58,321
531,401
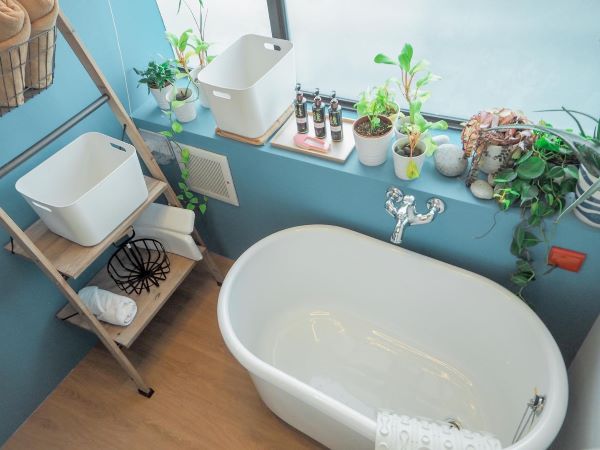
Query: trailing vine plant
538,183
188,198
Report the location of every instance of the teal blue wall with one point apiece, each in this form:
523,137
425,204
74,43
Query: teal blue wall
36,350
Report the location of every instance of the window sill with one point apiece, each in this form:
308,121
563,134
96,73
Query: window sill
202,132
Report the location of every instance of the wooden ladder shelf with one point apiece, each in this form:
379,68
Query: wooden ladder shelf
60,259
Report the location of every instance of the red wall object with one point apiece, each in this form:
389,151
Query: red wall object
566,259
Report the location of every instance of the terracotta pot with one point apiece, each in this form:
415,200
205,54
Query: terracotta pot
372,150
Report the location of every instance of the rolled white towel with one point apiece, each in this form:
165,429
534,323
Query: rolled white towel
109,307
396,432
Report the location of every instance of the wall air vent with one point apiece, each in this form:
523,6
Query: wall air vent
210,175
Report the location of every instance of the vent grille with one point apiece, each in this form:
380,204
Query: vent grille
210,175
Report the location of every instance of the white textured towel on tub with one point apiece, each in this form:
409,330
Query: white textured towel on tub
396,432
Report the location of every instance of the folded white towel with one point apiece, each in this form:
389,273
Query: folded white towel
109,307
176,243
166,217
395,432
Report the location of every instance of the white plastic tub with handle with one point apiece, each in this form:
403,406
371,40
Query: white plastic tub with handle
86,190
250,85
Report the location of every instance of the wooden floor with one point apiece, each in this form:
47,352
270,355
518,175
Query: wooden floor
204,399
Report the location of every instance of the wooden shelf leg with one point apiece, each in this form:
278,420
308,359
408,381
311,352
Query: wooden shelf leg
120,113
50,271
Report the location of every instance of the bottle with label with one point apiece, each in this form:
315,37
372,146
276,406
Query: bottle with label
336,127
300,111
318,111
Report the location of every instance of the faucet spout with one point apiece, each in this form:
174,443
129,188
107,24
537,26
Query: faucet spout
398,233
402,208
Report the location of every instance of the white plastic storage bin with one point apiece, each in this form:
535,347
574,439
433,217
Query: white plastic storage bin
250,84
87,189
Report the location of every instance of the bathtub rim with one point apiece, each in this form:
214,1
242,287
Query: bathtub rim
551,418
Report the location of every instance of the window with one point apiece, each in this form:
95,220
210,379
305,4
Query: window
227,20
525,55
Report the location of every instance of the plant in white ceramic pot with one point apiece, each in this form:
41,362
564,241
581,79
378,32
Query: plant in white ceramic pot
160,79
198,43
183,100
373,129
409,151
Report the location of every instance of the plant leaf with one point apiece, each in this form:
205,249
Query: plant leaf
418,67
405,57
412,171
572,171
532,168
380,58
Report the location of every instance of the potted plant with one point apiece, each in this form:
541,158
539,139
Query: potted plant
539,181
160,79
413,79
373,129
587,150
199,45
409,151
183,101
492,151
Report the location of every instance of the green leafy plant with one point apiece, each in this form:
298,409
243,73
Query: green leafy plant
585,148
538,183
183,48
416,130
413,77
157,76
183,51
540,180
188,198
375,102
198,42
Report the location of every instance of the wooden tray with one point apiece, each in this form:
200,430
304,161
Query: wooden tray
261,139
338,151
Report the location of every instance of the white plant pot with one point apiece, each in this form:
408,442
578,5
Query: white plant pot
160,95
589,210
186,112
202,97
400,120
491,159
372,150
401,162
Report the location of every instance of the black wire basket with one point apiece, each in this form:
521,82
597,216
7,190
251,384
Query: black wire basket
138,265
26,69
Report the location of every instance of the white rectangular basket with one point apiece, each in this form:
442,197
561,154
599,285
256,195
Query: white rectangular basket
250,85
87,189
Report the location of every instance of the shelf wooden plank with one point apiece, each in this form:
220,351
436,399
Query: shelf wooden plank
72,259
148,303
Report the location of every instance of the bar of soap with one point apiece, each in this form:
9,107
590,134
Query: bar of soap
311,143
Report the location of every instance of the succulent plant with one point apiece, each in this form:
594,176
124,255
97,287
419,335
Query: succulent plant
476,136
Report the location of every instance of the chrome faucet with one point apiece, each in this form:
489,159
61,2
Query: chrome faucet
402,208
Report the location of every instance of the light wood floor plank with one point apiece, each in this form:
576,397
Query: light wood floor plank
204,399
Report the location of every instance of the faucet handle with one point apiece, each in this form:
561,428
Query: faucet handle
436,204
394,194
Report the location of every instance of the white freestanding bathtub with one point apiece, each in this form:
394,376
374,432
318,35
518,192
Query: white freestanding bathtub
333,326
